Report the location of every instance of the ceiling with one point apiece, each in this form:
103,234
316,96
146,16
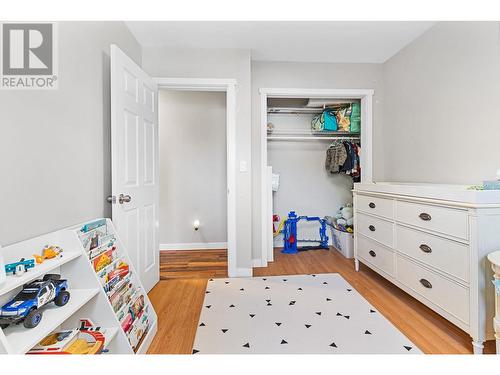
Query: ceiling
305,41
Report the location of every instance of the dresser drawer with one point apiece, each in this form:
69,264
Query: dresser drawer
376,254
445,255
376,229
444,293
440,219
376,206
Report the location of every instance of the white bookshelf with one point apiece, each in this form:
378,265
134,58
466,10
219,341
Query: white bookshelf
88,299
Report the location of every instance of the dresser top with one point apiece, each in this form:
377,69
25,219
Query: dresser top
453,193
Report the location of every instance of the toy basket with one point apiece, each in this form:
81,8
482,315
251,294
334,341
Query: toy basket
343,242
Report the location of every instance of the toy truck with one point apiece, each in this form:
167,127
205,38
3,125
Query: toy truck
26,306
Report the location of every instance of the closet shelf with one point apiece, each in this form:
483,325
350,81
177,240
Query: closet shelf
311,135
306,110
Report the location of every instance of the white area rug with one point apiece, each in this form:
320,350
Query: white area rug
293,314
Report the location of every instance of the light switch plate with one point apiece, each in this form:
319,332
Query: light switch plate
243,166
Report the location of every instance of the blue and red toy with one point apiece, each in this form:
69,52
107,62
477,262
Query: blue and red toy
290,234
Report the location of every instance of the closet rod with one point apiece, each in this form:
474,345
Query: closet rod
284,138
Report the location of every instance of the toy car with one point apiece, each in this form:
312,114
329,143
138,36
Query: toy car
25,306
18,268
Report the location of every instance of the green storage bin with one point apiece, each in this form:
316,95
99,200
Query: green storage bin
355,118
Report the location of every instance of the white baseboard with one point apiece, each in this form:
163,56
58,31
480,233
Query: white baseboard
193,246
258,263
244,272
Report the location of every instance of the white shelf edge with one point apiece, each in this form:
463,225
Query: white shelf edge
14,282
22,339
110,335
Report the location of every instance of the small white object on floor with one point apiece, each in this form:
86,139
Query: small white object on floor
312,314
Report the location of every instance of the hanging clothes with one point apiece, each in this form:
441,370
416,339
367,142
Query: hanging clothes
343,157
336,156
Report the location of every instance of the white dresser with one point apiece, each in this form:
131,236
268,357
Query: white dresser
432,242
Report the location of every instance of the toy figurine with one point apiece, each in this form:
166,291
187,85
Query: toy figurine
19,268
48,252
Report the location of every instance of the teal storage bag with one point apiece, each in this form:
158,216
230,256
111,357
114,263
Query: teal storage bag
330,120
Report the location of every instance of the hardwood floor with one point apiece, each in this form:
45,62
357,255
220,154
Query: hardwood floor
191,264
179,296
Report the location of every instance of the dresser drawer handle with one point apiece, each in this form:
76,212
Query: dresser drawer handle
425,248
425,216
372,205
372,228
372,253
426,283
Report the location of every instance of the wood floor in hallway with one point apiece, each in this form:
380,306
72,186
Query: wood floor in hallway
178,298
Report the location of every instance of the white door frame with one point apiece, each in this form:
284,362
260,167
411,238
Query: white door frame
366,158
229,87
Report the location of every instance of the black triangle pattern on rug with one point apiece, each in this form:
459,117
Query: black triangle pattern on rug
257,288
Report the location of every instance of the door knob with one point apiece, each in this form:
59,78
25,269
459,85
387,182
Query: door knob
124,198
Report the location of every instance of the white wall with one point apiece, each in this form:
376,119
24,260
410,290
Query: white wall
310,75
441,105
212,63
192,128
55,145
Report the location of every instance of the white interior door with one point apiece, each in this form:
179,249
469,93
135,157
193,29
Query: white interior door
134,164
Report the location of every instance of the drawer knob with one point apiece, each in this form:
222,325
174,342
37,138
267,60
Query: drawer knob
372,205
372,253
372,228
425,248
425,216
426,283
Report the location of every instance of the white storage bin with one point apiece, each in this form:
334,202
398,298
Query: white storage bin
343,242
